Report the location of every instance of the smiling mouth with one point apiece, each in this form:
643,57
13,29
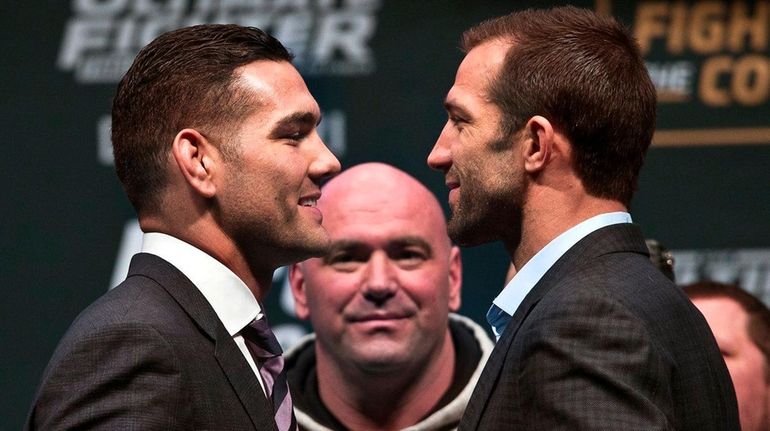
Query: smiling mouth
378,317
308,202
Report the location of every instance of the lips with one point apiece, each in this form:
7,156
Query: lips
451,181
378,316
309,200
453,187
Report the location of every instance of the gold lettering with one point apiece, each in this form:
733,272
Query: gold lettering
650,23
708,86
751,80
603,7
707,27
676,31
743,25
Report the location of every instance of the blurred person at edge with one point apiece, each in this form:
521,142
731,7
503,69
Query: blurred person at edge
549,119
388,352
741,324
215,142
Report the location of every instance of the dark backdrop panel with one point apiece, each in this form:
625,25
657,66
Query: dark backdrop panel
64,216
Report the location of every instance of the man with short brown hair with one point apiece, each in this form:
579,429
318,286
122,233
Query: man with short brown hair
215,142
550,116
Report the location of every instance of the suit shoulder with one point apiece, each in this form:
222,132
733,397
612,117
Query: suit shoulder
136,300
113,374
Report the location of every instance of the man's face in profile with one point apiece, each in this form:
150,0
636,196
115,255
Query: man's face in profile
481,167
379,299
268,193
746,363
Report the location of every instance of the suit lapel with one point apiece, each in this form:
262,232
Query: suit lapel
244,383
230,359
614,238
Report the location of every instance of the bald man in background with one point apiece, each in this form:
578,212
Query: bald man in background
387,353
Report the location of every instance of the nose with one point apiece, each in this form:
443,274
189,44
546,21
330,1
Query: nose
379,282
440,157
324,163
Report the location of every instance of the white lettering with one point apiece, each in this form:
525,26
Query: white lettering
345,33
81,36
99,7
104,141
326,36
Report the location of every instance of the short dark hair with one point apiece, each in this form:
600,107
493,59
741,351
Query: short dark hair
758,326
184,78
584,73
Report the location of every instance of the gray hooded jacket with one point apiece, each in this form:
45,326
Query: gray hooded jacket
446,418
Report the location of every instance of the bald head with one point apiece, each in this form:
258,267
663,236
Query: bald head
374,192
379,299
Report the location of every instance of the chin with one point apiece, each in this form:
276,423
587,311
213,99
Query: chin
312,242
382,362
468,234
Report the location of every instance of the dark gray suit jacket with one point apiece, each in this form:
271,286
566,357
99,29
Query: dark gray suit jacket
605,342
150,354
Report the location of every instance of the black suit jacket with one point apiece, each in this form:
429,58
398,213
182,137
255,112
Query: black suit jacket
150,354
605,342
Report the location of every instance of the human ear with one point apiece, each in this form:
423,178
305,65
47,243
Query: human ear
455,279
195,157
298,291
538,144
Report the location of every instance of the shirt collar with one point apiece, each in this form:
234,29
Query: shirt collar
527,276
228,295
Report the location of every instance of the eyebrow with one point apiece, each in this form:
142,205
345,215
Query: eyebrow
454,108
413,240
401,241
301,118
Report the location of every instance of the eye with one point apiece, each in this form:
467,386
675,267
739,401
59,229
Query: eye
458,122
295,133
295,136
410,258
345,261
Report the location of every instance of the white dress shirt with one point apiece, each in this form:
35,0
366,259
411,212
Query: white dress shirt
230,298
527,276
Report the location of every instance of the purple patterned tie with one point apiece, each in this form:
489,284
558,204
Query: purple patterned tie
267,352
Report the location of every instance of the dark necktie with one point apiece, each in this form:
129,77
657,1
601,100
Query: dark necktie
498,320
267,352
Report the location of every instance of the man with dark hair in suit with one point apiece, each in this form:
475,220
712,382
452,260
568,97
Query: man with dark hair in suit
550,116
215,142
741,325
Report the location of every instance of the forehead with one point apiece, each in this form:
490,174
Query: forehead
479,67
377,216
278,89
724,315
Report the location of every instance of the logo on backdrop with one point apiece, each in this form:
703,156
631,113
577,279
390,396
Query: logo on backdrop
327,37
710,63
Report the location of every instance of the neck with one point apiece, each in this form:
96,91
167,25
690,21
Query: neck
550,215
209,238
385,401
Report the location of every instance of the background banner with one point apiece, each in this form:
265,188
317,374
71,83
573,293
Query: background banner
379,70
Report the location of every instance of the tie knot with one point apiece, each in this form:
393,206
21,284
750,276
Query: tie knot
498,319
259,333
